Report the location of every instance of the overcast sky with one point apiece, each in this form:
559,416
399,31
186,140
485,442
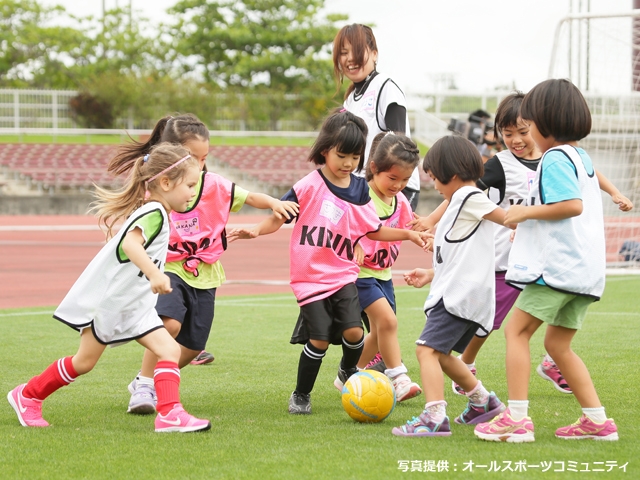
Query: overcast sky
482,44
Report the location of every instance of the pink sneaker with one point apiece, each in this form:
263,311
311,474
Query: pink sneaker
178,420
29,411
504,428
585,428
550,371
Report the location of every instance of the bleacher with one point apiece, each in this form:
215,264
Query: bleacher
57,166
60,167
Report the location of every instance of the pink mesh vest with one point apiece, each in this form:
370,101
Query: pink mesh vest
326,230
381,255
198,235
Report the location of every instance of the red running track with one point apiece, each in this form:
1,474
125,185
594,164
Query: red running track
42,256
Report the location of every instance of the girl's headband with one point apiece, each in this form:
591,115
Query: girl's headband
147,193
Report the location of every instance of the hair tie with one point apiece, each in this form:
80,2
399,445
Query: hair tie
145,158
342,110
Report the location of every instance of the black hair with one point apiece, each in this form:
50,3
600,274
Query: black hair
508,113
558,109
389,149
177,129
453,155
344,131
480,114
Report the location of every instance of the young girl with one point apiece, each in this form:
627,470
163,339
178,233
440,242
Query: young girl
507,177
113,300
371,96
559,253
460,301
335,213
197,240
393,159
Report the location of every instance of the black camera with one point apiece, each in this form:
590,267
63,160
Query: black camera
475,129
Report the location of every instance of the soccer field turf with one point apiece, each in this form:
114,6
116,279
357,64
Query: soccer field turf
244,393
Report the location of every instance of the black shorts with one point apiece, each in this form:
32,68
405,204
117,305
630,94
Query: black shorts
326,319
192,307
445,332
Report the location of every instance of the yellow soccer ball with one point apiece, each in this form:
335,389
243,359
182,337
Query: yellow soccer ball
368,396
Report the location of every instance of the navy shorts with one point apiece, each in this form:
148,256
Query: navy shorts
445,332
192,307
372,289
326,319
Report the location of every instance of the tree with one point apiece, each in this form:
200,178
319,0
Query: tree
281,44
30,43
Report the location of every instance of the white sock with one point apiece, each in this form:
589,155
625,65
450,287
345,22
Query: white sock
394,372
144,380
595,414
436,410
479,395
548,358
519,409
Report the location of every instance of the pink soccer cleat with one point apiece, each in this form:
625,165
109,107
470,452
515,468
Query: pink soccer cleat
178,420
29,411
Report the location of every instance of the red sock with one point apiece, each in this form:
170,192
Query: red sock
166,378
57,375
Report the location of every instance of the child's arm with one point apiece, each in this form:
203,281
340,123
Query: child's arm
388,234
419,277
552,211
133,247
423,224
606,186
280,209
268,225
498,216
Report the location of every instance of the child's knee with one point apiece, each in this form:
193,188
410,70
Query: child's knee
83,365
353,335
172,326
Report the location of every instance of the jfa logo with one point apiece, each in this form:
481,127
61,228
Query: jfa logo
331,211
369,101
187,227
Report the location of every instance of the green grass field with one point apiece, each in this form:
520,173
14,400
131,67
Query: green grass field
245,392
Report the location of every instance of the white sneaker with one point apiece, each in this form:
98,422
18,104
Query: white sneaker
405,388
143,398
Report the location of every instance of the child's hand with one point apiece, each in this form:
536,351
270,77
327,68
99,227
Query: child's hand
419,224
241,234
623,202
423,239
284,210
419,277
515,214
160,283
358,254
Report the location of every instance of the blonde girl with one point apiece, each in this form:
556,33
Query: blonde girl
113,300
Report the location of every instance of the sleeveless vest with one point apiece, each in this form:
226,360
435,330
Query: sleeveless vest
326,230
370,109
518,181
198,235
464,268
568,254
382,255
112,294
